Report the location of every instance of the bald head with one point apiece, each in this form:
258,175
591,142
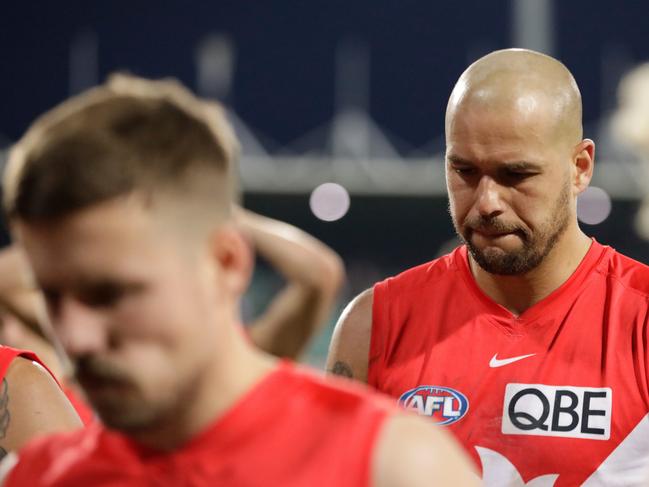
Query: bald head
522,84
516,161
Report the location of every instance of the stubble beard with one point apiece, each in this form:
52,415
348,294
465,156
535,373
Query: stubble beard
124,408
535,246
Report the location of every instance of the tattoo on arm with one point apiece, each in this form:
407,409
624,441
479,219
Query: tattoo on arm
342,369
4,413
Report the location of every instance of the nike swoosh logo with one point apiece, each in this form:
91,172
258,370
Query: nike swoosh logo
495,362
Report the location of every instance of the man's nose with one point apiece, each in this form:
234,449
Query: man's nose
81,329
489,202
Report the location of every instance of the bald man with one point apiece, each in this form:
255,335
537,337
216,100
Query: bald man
530,341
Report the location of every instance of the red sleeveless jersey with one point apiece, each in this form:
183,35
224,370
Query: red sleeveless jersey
292,429
556,396
8,354
85,412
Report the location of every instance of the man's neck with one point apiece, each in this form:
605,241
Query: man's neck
518,293
217,391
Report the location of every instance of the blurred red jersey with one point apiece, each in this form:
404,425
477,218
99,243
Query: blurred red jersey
8,354
292,429
558,395
85,412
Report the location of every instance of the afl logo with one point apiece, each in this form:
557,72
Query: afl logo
443,404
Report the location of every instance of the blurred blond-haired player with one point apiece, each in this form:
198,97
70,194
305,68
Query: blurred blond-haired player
121,198
631,127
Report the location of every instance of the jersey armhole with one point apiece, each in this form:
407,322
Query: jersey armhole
8,355
380,323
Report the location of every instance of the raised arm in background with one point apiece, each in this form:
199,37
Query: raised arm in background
313,274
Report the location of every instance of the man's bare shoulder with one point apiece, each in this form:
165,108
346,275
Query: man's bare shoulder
350,343
25,371
411,452
32,404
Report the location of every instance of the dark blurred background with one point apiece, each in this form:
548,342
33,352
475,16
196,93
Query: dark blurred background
349,92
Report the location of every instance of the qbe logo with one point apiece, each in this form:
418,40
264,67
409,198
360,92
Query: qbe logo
443,404
567,411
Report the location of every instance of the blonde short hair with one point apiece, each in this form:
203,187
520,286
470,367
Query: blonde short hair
130,134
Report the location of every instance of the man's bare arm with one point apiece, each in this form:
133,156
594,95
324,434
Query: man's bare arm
16,280
350,343
15,273
23,320
31,404
412,452
313,274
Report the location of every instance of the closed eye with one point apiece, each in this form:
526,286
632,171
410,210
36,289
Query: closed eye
517,176
52,299
107,294
464,170
102,295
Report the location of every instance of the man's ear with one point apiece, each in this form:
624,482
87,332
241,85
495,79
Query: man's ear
234,257
583,164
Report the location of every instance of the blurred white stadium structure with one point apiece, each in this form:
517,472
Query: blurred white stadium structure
353,150
357,153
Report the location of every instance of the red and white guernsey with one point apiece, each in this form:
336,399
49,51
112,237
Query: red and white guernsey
558,396
293,429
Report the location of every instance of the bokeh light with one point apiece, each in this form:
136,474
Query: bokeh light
593,206
329,202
